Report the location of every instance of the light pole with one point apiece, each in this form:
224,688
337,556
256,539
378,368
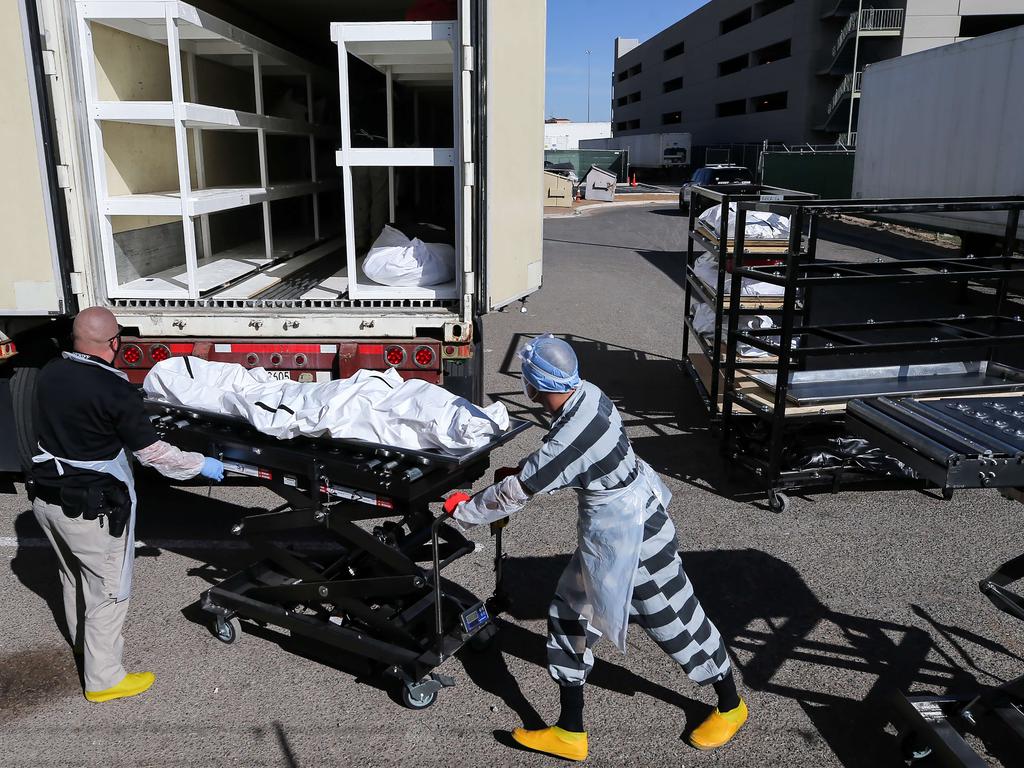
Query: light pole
588,84
853,84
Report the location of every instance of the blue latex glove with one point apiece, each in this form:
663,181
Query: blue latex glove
212,468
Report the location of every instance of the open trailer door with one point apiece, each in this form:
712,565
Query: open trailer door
31,279
513,152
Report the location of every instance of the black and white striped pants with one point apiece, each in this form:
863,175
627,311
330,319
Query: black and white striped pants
664,604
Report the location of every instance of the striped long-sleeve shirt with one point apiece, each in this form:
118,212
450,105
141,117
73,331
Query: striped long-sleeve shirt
586,449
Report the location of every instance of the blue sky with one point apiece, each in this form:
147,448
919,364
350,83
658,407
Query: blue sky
576,25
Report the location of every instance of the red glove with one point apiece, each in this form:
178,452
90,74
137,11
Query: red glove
503,472
454,500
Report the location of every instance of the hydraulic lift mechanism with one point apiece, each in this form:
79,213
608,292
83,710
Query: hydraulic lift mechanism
374,589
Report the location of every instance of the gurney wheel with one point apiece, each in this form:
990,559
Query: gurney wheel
778,502
421,702
227,630
914,749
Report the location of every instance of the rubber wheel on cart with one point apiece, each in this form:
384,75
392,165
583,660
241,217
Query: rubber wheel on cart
413,702
778,502
485,639
914,749
226,630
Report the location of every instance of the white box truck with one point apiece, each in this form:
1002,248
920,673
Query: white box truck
945,123
215,172
648,150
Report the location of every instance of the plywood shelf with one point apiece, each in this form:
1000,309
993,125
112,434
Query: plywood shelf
201,202
204,116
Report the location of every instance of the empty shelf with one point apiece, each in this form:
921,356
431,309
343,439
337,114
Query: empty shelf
418,52
211,200
161,113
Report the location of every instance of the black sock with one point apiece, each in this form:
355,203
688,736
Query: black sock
728,698
571,699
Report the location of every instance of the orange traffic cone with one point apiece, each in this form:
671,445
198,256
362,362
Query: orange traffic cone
633,182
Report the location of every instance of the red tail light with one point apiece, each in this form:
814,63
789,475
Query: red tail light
423,357
131,354
394,355
159,352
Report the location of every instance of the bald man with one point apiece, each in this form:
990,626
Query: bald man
90,418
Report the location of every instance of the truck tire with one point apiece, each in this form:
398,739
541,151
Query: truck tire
26,413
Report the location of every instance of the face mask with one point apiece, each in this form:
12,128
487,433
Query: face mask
529,391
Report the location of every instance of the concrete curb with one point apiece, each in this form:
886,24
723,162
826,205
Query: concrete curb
609,206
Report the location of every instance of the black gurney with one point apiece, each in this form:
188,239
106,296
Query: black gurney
373,594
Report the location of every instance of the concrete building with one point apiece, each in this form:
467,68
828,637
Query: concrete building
560,133
785,71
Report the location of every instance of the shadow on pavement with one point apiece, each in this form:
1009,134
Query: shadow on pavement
782,639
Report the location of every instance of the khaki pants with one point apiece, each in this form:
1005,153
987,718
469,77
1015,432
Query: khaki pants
90,576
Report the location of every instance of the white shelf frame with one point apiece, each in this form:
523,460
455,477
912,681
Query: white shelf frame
184,28
408,53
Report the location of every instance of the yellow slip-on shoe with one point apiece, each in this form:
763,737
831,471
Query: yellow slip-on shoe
554,741
133,684
719,727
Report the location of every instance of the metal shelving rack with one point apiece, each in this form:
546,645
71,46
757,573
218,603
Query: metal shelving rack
417,54
189,33
724,195
802,272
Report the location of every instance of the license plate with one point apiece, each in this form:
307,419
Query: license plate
280,375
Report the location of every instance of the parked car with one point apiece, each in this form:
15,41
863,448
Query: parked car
713,174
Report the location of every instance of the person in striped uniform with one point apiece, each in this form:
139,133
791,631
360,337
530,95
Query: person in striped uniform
626,564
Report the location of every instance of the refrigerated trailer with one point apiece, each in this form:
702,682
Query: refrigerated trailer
648,150
946,122
215,173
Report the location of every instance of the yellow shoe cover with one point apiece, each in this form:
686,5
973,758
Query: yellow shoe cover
554,741
719,727
133,684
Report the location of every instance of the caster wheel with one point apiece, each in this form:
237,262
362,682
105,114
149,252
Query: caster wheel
914,750
778,503
227,630
417,702
947,493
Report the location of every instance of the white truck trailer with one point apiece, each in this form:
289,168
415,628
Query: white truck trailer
215,172
648,150
944,123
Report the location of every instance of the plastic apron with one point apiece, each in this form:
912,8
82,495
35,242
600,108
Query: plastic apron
598,582
120,467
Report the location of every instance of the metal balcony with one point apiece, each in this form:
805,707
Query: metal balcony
876,22
850,86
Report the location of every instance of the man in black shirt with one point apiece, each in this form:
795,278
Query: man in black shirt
91,416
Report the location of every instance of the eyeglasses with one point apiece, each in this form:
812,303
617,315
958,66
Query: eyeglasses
120,330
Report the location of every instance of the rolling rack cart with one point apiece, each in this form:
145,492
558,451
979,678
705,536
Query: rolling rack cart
956,443
370,595
789,395
709,355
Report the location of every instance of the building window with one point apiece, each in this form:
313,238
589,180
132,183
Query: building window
622,75
633,98
729,66
632,125
621,126
731,108
636,69
765,7
771,53
735,21
770,102
620,102
675,50
976,26
672,118
672,85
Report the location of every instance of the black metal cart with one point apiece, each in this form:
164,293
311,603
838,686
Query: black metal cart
957,443
796,340
375,588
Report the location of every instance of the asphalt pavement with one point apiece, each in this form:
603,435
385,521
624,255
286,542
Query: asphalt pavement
826,609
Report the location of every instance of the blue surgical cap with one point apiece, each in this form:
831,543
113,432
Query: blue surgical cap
550,365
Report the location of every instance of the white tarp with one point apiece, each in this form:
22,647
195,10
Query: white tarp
759,226
704,324
379,407
399,262
706,268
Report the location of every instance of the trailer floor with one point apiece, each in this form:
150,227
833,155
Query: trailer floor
825,609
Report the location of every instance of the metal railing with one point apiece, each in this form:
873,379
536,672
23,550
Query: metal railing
850,84
848,139
871,20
